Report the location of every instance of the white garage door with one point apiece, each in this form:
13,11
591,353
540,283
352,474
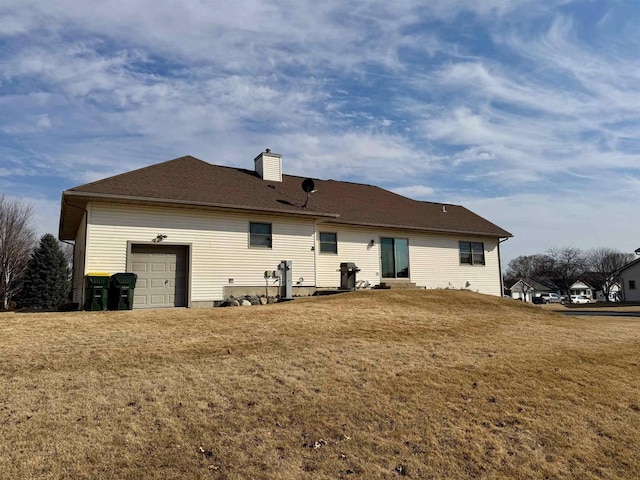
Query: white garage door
161,271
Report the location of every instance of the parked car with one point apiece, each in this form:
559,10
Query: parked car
547,298
580,299
551,298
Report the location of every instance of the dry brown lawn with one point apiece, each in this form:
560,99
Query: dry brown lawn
377,384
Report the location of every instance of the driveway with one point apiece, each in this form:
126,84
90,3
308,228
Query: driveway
598,313
596,310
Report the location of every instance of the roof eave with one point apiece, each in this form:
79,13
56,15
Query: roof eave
503,234
87,196
628,265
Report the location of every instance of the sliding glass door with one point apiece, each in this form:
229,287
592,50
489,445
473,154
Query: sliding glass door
395,257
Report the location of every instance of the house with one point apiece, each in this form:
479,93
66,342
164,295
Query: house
526,289
630,280
196,233
590,284
582,287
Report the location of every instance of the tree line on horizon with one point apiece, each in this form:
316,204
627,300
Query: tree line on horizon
33,274
562,267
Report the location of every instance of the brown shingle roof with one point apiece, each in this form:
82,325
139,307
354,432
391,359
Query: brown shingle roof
190,181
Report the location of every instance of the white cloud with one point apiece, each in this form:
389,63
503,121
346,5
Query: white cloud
354,155
509,87
609,78
43,121
417,192
367,91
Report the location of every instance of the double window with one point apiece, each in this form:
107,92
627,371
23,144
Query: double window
472,253
260,235
328,242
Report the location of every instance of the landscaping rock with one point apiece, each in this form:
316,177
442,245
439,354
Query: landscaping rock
253,300
263,301
245,303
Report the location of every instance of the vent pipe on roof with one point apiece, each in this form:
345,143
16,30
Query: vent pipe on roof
269,166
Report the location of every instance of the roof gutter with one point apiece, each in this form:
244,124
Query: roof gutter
500,241
65,204
428,229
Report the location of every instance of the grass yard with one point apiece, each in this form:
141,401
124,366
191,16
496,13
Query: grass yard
371,385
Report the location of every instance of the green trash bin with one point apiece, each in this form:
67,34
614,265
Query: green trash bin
96,291
122,288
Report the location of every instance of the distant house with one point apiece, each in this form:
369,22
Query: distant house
630,280
526,289
588,283
581,287
195,233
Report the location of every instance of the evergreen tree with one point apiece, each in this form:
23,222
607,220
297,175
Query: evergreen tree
47,281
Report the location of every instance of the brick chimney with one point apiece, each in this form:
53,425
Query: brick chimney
269,166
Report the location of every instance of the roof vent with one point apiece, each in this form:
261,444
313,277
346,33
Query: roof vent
444,209
269,166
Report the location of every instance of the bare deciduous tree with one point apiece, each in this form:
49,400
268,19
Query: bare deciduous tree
17,239
67,251
603,263
537,267
568,265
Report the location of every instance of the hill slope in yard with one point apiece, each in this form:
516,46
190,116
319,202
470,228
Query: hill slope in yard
374,384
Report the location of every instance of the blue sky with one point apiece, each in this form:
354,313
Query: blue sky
526,112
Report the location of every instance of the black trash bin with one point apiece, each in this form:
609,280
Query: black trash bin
96,291
122,289
348,272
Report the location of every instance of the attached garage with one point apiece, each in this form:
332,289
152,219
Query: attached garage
162,275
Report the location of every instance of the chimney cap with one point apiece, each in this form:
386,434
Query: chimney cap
267,152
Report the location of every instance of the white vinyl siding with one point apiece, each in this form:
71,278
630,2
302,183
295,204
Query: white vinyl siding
219,249
354,245
435,263
219,244
628,275
434,260
269,167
